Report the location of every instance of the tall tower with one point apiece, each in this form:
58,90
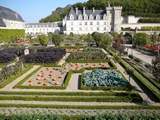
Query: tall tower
117,12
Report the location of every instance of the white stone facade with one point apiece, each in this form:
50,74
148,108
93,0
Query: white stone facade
42,28
13,24
89,21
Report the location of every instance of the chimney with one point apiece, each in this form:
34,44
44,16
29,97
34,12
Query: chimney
76,11
93,9
84,10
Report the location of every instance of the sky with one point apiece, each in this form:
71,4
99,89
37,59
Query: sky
34,10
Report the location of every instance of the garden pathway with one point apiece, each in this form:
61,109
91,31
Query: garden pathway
63,60
133,83
16,81
146,58
73,83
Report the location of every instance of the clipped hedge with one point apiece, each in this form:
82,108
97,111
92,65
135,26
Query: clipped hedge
124,98
141,79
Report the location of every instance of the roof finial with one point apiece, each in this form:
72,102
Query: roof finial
109,4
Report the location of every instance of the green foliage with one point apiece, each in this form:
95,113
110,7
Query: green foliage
15,75
143,8
10,35
141,39
149,20
88,55
108,115
43,40
157,28
102,39
56,38
56,15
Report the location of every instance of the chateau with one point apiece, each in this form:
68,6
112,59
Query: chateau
89,21
77,21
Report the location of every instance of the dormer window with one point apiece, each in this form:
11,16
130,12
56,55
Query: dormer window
80,17
97,17
71,17
104,17
85,17
91,17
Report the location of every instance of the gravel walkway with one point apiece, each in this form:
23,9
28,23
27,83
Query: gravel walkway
73,83
16,81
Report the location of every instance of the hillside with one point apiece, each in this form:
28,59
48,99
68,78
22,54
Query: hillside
145,8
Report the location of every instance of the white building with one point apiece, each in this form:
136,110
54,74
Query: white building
89,21
9,19
42,28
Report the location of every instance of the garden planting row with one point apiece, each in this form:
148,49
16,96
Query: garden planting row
125,98
117,107
144,73
108,115
63,86
12,73
141,80
87,56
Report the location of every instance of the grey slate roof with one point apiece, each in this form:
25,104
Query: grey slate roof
9,14
2,24
87,12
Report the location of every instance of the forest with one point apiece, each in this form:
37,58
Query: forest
143,8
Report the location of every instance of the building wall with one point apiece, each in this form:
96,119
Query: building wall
42,28
112,22
11,24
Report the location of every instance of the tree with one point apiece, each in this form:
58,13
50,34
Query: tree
43,40
102,39
156,68
56,38
118,43
141,39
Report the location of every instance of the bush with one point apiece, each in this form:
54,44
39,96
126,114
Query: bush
45,56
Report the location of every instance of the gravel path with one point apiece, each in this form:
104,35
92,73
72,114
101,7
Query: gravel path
134,84
143,57
16,81
73,83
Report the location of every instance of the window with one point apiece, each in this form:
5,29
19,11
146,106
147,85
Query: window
80,28
86,23
72,28
98,28
80,23
91,23
104,23
104,28
97,23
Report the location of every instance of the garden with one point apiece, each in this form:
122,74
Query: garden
101,79
88,55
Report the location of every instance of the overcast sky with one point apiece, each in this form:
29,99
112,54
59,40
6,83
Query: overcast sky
34,10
